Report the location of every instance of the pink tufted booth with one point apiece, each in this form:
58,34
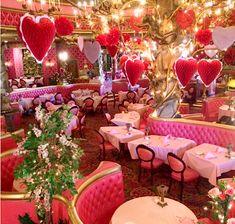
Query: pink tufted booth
210,108
14,204
65,90
8,142
99,195
199,131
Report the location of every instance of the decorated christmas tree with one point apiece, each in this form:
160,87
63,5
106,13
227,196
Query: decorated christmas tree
51,160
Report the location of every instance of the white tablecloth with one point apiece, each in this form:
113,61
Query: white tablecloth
72,125
26,103
145,210
138,107
97,100
224,111
46,96
118,134
82,92
132,117
162,145
209,168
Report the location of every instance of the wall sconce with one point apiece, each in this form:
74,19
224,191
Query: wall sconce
63,56
7,63
50,63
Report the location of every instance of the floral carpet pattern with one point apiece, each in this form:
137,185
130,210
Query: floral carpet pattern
133,188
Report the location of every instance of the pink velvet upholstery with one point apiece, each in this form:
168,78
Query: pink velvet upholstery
8,165
199,131
8,142
189,175
98,201
211,106
65,90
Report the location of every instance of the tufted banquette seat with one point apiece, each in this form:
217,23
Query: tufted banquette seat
199,131
13,203
98,195
7,140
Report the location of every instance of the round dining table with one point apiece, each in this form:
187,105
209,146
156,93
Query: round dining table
145,210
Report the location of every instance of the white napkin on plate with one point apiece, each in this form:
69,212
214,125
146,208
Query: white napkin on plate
220,149
210,155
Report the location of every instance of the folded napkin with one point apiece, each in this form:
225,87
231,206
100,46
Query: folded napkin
220,149
166,140
168,137
113,132
210,155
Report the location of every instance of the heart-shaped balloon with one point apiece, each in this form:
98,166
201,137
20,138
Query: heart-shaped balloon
185,69
223,37
209,70
211,50
92,51
38,34
112,50
134,69
80,42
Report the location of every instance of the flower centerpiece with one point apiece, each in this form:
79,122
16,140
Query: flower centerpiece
222,197
50,160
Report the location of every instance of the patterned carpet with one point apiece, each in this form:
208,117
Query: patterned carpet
133,188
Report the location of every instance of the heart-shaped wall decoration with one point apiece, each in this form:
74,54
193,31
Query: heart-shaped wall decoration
80,42
211,50
222,37
38,34
92,51
134,69
209,70
185,69
112,50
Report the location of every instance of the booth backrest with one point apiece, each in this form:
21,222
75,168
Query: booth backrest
8,142
199,131
211,107
65,90
100,195
8,165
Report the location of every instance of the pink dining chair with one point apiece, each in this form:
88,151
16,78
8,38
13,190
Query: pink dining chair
74,110
13,86
80,125
103,105
150,102
88,104
147,160
96,93
131,96
125,103
36,101
59,98
181,173
104,146
121,108
22,83
108,118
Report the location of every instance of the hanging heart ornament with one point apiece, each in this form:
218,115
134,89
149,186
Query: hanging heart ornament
38,34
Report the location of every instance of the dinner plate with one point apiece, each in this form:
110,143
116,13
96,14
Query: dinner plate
199,153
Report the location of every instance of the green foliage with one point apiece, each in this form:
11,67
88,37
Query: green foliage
25,219
51,159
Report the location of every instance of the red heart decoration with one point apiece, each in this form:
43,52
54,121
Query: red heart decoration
122,61
185,18
134,69
209,70
38,34
112,50
185,69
